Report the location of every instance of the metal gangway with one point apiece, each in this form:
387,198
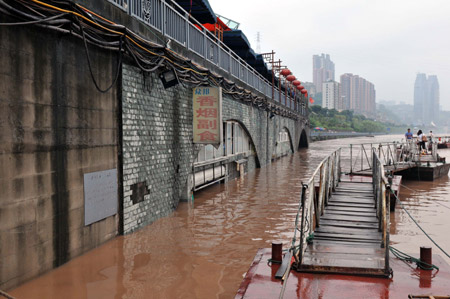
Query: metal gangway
342,223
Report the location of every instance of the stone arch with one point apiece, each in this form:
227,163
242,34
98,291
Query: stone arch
291,140
303,143
282,145
247,131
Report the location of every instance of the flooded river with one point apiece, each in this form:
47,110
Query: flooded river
204,248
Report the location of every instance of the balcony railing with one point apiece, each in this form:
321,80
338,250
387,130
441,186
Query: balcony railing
171,20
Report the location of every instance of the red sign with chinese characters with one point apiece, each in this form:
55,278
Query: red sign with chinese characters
207,122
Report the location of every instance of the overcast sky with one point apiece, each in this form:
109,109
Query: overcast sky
385,41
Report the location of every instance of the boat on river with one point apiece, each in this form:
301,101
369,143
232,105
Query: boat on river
442,142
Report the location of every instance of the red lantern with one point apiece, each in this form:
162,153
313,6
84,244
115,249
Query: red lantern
290,78
304,91
296,82
311,100
301,87
285,72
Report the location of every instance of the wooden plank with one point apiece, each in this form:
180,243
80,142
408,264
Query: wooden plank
348,230
347,237
351,208
355,187
350,218
345,181
324,246
333,259
339,261
369,232
349,224
355,202
350,205
285,264
354,240
350,183
352,195
349,191
347,195
345,243
354,190
348,213
348,199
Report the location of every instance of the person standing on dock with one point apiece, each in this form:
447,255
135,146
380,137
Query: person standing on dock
408,135
421,139
430,139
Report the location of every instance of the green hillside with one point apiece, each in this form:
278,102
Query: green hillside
348,121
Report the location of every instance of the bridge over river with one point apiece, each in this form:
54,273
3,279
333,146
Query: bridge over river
204,248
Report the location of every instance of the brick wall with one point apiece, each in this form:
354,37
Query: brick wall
157,147
158,152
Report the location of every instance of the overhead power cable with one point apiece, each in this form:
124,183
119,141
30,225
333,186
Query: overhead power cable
93,29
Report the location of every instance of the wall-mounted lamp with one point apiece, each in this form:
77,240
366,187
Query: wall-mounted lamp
168,78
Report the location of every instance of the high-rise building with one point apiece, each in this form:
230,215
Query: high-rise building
420,95
323,70
426,99
346,90
331,95
433,97
358,94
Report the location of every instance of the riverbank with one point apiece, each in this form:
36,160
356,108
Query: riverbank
318,136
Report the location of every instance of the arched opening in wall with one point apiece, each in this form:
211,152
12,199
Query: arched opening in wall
303,140
283,144
234,156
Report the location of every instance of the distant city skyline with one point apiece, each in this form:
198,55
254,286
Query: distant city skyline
388,42
353,92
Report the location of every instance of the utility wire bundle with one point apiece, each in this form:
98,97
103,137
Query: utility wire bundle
71,18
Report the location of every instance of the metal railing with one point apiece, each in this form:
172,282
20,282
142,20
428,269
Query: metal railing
173,21
313,202
208,172
382,203
392,154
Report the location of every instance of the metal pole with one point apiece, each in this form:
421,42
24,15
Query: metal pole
301,225
362,161
351,158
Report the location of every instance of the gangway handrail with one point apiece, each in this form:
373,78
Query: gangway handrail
382,203
311,205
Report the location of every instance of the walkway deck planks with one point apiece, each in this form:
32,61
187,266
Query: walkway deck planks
348,239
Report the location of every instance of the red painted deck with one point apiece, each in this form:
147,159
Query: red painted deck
259,282
347,240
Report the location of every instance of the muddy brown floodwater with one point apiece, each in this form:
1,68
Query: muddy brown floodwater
204,248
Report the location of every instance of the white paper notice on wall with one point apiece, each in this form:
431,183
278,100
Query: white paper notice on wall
100,195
